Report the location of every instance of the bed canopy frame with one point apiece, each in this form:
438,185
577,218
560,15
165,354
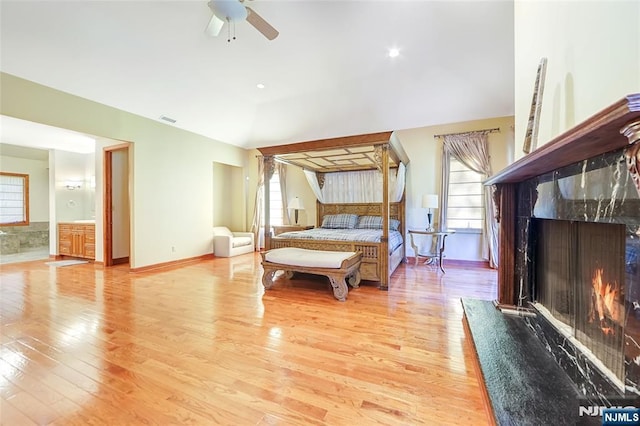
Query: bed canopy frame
379,151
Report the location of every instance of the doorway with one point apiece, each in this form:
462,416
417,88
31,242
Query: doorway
117,231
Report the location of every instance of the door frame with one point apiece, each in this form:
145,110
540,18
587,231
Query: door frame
108,200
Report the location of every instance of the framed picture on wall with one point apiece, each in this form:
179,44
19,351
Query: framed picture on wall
531,135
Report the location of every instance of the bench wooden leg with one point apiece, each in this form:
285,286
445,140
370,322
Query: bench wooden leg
354,279
340,289
338,278
267,278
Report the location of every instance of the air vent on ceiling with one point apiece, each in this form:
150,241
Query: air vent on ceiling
168,119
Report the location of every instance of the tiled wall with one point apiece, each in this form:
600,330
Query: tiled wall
15,239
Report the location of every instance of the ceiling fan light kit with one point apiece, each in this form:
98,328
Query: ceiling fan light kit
214,26
232,11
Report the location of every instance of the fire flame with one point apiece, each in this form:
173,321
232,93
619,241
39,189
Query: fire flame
605,305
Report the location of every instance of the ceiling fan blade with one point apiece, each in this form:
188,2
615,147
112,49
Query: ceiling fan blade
214,26
261,25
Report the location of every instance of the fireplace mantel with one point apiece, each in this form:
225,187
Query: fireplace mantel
597,135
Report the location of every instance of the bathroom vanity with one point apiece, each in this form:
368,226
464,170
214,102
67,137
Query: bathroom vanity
77,239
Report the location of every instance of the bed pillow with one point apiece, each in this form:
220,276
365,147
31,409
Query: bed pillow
340,221
394,224
375,222
370,222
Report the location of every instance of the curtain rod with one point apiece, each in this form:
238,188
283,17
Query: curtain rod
495,129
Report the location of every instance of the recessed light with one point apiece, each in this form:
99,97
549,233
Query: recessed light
393,52
260,86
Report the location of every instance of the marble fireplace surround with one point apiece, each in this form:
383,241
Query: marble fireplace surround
604,148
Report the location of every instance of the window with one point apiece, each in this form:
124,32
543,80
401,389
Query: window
465,202
275,200
14,199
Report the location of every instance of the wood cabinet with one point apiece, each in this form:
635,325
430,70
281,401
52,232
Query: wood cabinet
277,230
77,240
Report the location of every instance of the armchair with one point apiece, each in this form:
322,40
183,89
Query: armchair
228,244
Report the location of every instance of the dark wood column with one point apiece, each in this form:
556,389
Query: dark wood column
507,240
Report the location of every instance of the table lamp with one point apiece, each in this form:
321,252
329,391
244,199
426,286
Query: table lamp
296,204
430,202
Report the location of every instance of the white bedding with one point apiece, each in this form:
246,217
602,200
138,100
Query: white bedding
358,235
309,258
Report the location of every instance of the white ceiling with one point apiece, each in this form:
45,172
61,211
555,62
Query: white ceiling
326,75
18,132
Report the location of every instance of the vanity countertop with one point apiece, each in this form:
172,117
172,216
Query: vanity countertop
76,222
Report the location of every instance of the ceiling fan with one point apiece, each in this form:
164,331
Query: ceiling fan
232,11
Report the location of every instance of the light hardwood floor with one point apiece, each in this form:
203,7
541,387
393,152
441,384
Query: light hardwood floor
204,344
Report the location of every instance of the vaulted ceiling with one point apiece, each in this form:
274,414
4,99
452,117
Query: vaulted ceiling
326,75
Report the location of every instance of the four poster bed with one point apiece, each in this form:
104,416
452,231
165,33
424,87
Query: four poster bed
376,229
351,239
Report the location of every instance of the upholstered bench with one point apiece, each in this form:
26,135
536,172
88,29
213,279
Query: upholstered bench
338,266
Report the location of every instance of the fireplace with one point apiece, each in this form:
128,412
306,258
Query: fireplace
569,216
578,281
577,265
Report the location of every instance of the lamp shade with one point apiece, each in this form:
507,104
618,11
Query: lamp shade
296,203
430,201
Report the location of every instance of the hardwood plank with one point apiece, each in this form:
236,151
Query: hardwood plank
117,380
10,415
35,410
34,387
204,344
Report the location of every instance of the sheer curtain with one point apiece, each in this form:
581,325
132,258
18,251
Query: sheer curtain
364,186
472,150
312,178
256,225
281,169
353,187
397,189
